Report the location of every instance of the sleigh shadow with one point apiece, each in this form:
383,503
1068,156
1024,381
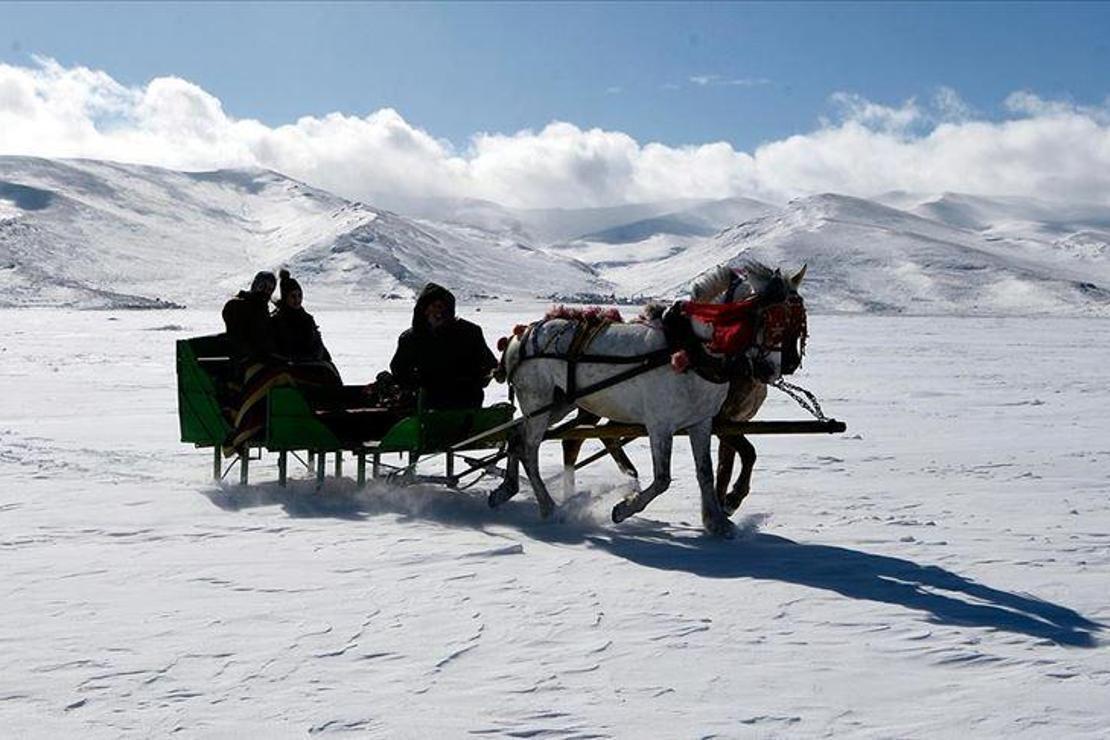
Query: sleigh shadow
946,597
342,499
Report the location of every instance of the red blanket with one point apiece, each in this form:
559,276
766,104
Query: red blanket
734,324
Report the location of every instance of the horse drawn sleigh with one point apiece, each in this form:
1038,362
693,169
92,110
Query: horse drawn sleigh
630,373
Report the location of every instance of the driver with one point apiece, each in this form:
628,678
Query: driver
441,355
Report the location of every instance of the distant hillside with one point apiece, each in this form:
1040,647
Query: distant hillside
98,234
89,233
864,256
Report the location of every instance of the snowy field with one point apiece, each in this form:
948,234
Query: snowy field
938,571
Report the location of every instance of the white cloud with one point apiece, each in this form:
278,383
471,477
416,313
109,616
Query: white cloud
950,106
717,80
858,109
1045,148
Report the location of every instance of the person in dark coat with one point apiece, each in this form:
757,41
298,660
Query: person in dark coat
441,355
296,335
247,318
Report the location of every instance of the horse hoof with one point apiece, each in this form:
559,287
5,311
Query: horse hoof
499,496
732,502
623,510
720,528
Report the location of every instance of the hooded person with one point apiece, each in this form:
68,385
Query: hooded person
441,355
247,320
296,335
271,352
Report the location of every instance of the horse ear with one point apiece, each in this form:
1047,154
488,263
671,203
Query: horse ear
797,279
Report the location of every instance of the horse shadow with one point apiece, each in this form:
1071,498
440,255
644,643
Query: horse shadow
946,597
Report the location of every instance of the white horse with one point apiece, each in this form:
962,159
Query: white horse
745,395
663,400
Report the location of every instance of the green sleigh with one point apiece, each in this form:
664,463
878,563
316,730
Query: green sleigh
293,426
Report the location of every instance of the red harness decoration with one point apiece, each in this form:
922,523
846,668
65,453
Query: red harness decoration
736,325
784,321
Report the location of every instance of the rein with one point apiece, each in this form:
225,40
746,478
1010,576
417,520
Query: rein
802,397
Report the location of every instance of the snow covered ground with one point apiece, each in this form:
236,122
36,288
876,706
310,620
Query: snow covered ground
938,571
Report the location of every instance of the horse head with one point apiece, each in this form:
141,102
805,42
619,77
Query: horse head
760,314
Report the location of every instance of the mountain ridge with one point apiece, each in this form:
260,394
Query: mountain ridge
88,233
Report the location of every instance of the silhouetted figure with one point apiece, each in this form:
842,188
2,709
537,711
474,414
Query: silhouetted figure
441,355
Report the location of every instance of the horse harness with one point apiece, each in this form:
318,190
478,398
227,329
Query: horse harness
584,333
721,360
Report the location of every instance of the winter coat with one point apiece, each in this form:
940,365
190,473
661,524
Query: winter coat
451,364
247,318
296,335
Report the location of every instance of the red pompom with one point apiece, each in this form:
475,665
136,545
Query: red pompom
502,343
680,361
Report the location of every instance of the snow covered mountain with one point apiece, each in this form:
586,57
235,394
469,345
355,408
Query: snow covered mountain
865,256
658,238
544,225
90,233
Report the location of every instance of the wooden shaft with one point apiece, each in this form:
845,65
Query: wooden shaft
616,431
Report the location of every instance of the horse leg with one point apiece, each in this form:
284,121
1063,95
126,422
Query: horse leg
613,447
511,485
661,442
744,481
713,517
726,456
534,430
571,448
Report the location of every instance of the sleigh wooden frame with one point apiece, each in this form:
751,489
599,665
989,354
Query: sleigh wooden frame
472,442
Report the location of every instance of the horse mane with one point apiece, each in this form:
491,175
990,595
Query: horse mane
711,283
757,272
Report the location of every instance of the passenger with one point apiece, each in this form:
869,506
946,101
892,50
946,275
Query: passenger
296,335
247,318
442,356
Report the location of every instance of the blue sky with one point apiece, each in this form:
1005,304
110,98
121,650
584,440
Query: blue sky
766,71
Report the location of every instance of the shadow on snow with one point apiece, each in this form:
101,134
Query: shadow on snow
946,597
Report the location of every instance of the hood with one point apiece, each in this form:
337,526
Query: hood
249,295
431,292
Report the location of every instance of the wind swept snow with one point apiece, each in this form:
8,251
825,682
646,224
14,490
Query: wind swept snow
937,571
